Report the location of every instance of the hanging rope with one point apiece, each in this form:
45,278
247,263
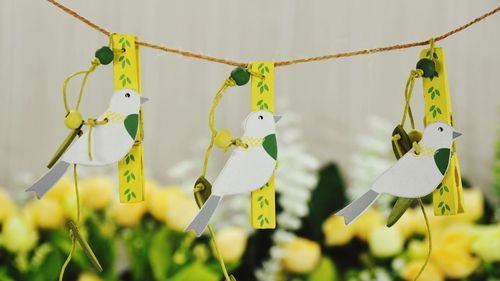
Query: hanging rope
71,234
284,62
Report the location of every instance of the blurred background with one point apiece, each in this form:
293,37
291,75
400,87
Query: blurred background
334,139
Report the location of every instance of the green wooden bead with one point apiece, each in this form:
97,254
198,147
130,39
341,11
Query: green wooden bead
240,75
428,67
104,55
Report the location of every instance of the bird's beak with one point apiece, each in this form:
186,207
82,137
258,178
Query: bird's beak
277,118
456,134
144,100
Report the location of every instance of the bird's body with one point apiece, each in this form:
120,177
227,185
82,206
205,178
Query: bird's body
413,175
247,169
253,169
109,142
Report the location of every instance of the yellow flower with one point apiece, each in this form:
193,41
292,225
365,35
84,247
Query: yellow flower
301,256
232,242
454,259
368,221
417,249
47,213
97,192
386,242
7,207
61,189
87,276
158,199
431,272
128,214
336,232
180,209
18,235
487,243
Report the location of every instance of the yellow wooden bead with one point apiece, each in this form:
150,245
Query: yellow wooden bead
223,138
415,135
73,120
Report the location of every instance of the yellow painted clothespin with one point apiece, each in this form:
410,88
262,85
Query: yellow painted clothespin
263,208
127,74
448,197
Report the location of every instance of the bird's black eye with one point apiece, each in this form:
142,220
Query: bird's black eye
261,117
440,129
127,95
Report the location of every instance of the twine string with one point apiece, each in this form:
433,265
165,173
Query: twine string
284,62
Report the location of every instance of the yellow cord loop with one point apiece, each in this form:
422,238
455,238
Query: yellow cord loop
229,82
95,62
223,139
92,122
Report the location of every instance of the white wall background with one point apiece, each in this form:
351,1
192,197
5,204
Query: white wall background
40,46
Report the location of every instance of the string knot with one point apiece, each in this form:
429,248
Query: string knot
92,122
416,148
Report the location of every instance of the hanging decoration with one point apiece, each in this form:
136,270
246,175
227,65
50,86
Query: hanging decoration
253,161
108,138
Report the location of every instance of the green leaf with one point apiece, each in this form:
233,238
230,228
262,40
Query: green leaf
267,69
437,92
260,66
261,90
324,271
128,61
127,42
260,198
128,80
446,188
121,58
440,204
160,254
266,87
430,90
259,217
127,190
195,271
434,114
447,207
124,82
132,175
260,102
122,76
132,157
121,40
442,210
428,53
127,159
438,110
126,173
432,108
435,55
259,84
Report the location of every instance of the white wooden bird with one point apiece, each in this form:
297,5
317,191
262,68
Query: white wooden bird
110,142
413,175
247,169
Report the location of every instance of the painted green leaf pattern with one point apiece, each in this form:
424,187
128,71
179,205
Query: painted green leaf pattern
435,110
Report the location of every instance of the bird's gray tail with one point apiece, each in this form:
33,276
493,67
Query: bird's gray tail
47,181
201,220
358,206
